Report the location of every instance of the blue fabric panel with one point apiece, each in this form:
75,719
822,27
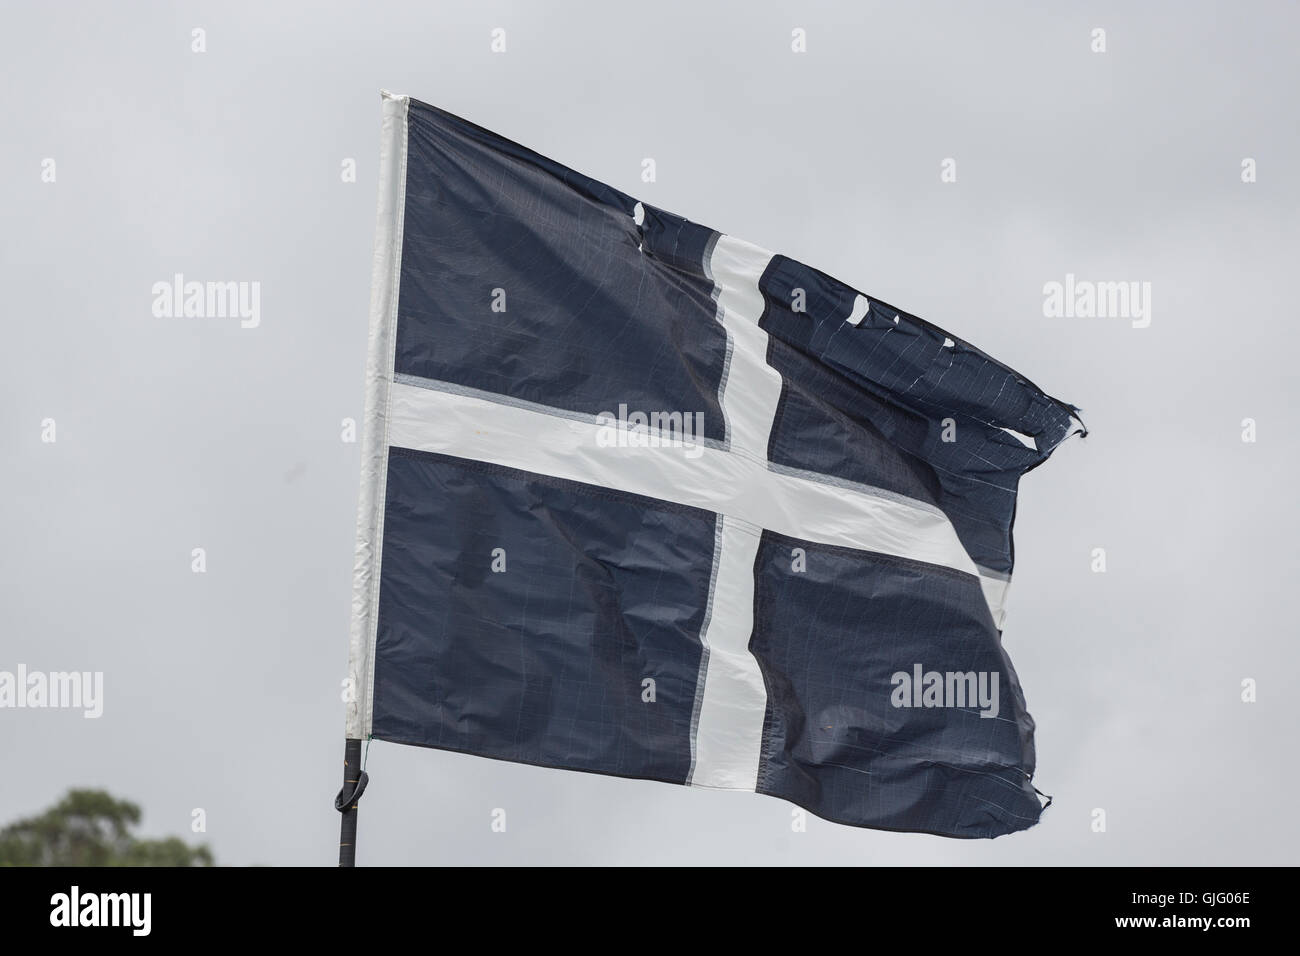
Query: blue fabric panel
829,639
905,406
543,662
594,314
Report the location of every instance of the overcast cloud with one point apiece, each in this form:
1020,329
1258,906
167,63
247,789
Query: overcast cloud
221,689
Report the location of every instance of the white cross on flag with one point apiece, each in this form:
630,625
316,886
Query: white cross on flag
639,498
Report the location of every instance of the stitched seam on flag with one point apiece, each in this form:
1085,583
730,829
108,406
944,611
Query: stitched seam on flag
395,284
722,386
708,254
692,735
771,715
715,294
778,414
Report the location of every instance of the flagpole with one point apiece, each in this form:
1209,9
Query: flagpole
354,783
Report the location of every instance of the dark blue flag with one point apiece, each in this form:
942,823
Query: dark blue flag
639,498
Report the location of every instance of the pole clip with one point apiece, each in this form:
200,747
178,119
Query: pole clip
347,799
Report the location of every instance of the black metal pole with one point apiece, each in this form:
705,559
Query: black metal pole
348,825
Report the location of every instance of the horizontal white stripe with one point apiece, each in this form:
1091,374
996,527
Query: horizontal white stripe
466,426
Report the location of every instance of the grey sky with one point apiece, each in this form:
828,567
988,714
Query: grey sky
222,689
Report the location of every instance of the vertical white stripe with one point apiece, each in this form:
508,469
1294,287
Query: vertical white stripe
753,387
386,265
730,728
729,733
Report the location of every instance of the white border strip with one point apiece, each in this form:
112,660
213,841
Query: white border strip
385,277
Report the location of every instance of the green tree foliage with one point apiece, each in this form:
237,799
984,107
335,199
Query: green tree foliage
91,828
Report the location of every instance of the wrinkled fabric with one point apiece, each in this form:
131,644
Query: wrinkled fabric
537,609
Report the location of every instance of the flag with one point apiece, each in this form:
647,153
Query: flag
643,499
